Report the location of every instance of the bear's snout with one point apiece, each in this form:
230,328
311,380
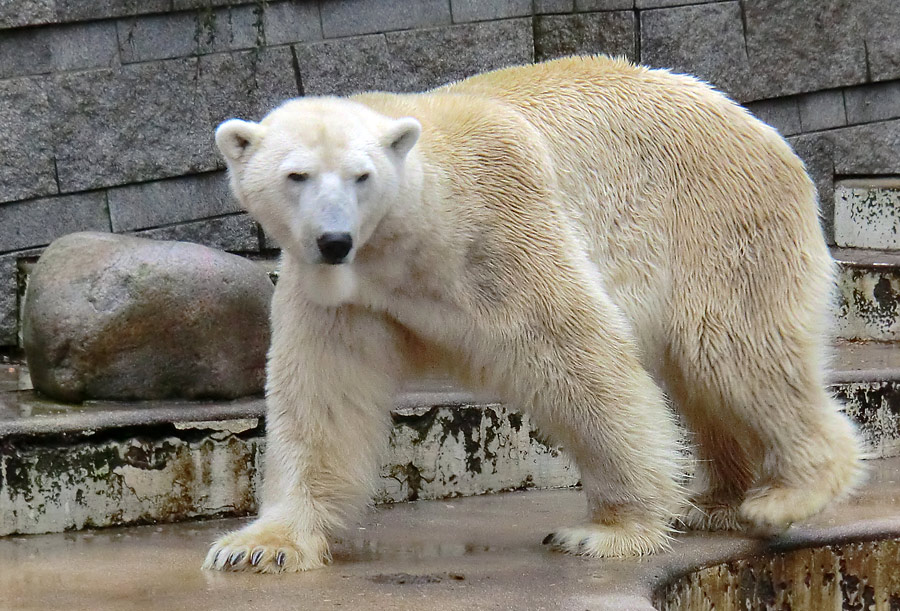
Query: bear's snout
334,247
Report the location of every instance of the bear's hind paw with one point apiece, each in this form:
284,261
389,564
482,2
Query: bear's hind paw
773,509
609,541
267,548
711,515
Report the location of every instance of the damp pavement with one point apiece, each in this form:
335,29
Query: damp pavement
467,553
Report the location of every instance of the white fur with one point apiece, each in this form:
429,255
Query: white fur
571,235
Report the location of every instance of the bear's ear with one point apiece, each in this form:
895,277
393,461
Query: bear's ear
402,135
235,137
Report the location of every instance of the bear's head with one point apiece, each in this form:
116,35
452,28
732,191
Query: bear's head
318,174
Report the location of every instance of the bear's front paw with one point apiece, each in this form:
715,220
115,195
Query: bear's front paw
609,541
268,547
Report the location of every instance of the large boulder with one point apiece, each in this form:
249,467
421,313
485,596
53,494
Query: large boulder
117,317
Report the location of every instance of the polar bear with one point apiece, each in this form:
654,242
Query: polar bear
591,240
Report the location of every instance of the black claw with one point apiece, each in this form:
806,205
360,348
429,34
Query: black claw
216,557
235,558
547,539
279,559
255,558
583,543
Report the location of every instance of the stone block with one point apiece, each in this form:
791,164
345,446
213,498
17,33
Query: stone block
345,66
26,148
879,22
38,222
245,84
782,114
25,52
544,7
422,59
796,47
603,5
464,11
873,102
867,150
44,50
150,320
141,122
84,46
613,33
16,13
163,202
867,214
9,313
233,233
822,110
290,22
158,37
354,17
817,152
155,120
86,10
705,40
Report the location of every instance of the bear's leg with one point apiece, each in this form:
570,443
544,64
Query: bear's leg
812,456
581,379
331,377
769,396
726,456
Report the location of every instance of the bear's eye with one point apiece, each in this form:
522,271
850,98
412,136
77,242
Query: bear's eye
362,177
298,176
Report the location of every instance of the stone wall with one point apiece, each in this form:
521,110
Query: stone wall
107,107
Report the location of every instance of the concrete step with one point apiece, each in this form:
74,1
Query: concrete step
867,213
867,304
473,553
101,464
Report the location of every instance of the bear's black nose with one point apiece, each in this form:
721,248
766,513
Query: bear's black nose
334,247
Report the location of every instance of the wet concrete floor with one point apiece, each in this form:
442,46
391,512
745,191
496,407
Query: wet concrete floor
471,553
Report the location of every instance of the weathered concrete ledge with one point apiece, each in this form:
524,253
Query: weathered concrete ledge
471,553
104,464
867,307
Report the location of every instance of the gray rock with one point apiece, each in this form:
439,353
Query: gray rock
796,47
174,200
873,102
822,110
817,152
43,50
346,66
612,33
705,40
234,233
354,17
26,148
124,318
422,59
39,222
870,149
